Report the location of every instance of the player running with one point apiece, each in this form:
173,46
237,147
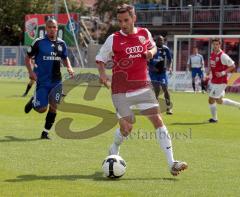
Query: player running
221,64
130,48
47,53
158,66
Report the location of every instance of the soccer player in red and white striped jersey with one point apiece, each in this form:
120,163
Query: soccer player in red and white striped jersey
130,49
221,64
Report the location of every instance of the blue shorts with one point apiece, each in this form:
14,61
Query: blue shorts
162,78
47,93
197,71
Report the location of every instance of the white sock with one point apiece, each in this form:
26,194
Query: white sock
118,140
46,130
213,109
230,102
165,143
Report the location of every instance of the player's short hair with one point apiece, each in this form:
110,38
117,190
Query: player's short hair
160,37
51,20
216,40
126,8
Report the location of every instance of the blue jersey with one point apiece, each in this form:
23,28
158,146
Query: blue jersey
158,63
48,55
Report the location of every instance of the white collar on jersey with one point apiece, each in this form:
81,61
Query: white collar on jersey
196,54
219,51
134,31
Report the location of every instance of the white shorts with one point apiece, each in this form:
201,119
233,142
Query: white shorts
141,99
216,90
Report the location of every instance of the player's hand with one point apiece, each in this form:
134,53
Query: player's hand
220,74
70,72
148,55
32,76
103,79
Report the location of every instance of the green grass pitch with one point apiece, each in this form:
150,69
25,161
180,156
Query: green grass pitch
67,167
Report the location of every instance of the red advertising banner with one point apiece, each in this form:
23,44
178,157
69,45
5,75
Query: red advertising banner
35,27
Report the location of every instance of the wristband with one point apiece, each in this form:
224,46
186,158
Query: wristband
223,73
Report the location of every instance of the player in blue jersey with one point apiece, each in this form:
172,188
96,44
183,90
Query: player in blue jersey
158,66
48,52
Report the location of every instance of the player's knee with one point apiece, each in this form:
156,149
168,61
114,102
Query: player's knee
219,101
41,110
165,89
53,109
126,129
211,101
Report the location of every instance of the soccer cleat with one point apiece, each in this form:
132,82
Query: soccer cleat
169,111
45,135
177,167
28,106
211,120
24,95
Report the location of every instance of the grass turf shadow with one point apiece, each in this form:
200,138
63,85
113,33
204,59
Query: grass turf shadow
97,176
16,139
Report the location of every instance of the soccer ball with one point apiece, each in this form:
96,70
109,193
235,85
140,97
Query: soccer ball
114,166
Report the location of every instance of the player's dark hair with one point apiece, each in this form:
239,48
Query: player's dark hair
216,40
126,8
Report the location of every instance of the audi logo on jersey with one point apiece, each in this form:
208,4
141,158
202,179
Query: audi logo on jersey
134,49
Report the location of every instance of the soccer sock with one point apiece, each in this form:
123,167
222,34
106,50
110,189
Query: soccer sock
28,88
50,119
118,140
165,143
193,85
202,85
166,96
213,109
230,102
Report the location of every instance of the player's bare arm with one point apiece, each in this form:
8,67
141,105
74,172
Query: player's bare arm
169,66
28,62
103,78
67,63
188,67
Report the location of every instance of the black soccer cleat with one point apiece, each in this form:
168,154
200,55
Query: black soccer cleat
45,136
211,120
28,106
169,111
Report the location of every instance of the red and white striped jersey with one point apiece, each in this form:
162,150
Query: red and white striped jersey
220,62
127,51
